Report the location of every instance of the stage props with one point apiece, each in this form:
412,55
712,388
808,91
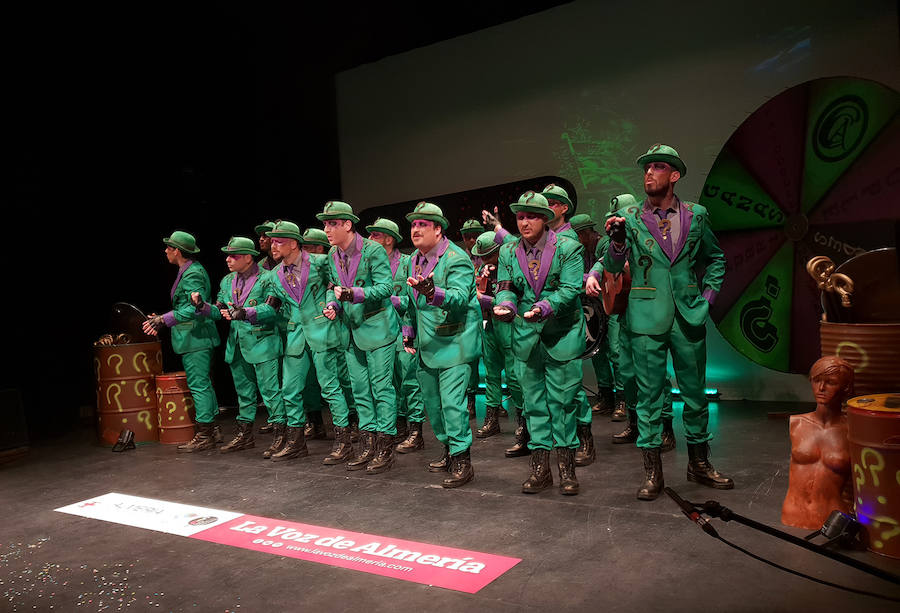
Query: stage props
815,171
126,362
176,408
820,454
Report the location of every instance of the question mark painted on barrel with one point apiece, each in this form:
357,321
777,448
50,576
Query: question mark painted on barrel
116,398
140,389
134,361
863,356
875,467
860,480
887,534
188,405
97,367
144,417
647,263
118,364
172,408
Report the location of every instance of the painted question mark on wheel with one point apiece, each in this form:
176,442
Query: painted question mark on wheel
118,364
144,417
116,397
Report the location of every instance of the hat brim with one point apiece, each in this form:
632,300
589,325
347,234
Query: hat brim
527,208
551,196
329,216
482,254
584,226
175,245
472,231
260,230
239,251
323,244
671,160
396,236
296,237
411,217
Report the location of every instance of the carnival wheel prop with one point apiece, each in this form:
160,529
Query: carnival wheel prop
814,171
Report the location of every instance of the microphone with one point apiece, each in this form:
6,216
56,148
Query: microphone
691,513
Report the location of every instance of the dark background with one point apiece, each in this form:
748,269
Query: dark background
127,122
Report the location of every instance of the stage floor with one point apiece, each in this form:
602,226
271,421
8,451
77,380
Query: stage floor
600,550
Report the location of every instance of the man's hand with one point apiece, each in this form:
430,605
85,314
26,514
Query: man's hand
236,314
504,313
196,300
153,324
423,285
492,220
329,312
408,345
533,316
592,287
344,294
615,228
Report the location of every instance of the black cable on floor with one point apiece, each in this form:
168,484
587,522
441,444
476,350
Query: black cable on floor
805,576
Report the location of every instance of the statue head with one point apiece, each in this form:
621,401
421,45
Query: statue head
832,380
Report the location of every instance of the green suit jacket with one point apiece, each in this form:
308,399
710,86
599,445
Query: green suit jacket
302,300
370,317
400,299
258,335
663,276
190,330
555,290
448,329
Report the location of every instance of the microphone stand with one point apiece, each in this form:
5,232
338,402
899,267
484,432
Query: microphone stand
712,508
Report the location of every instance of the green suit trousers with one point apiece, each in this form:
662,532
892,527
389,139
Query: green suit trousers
372,379
196,369
496,360
409,395
606,362
444,393
250,378
550,387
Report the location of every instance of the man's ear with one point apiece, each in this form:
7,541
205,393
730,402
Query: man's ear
675,176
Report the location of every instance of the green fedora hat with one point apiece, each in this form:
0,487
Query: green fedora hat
264,227
182,240
472,226
485,244
530,202
335,209
621,201
555,192
238,245
663,153
314,236
285,229
385,226
582,221
429,212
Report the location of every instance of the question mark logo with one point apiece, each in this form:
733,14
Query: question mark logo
172,408
116,397
134,361
892,531
97,367
647,264
860,480
144,417
140,389
874,468
118,364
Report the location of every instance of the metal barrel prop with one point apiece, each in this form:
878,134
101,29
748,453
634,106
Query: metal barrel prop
872,349
125,382
176,408
873,424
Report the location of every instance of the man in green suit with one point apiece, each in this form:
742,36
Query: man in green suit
496,339
247,299
360,293
470,231
664,242
193,337
539,279
268,261
563,209
445,336
300,281
410,407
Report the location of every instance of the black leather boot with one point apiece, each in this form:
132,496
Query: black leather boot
700,471
442,464
217,434
653,482
461,471
471,404
366,451
491,423
342,449
315,427
203,439
354,427
294,446
522,438
541,477
630,433
586,454
668,436
620,411
568,483
278,440
402,430
267,428
605,401
414,441
243,438
384,454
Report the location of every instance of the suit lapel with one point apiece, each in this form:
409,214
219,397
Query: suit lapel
442,248
248,287
181,272
546,260
686,217
651,221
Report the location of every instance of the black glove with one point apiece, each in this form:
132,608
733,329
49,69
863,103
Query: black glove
346,294
238,313
274,302
507,317
426,288
156,322
220,305
617,232
409,342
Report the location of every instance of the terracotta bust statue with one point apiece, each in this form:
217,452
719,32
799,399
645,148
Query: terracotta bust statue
820,454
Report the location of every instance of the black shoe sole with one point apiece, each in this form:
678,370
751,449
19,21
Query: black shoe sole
536,490
241,448
480,434
517,454
454,484
285,458
712,484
